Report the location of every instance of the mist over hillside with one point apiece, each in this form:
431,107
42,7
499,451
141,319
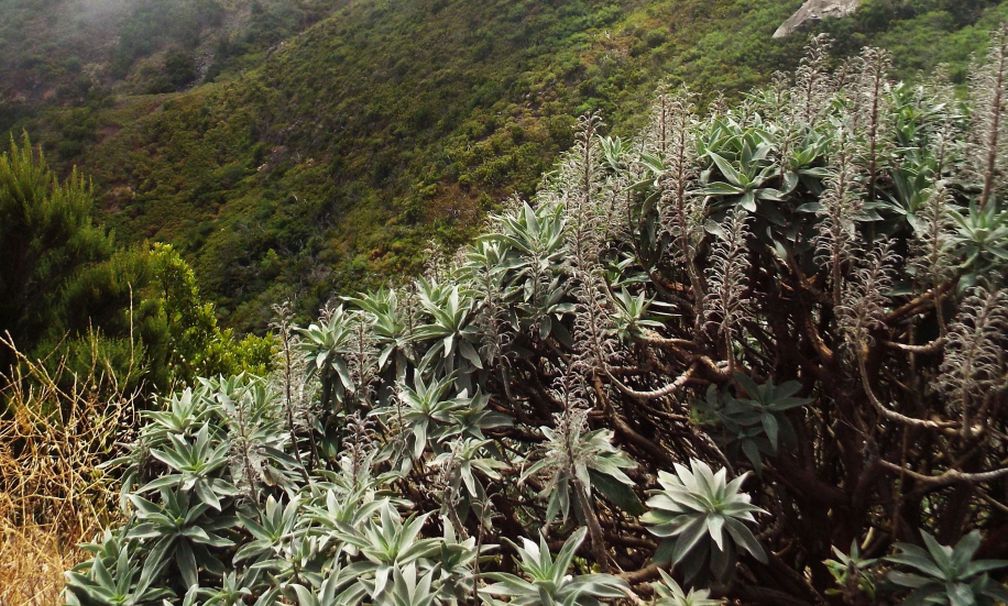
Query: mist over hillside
68,52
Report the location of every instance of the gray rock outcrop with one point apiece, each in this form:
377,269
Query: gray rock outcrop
815,10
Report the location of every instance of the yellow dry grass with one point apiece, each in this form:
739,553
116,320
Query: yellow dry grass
53,492
32,561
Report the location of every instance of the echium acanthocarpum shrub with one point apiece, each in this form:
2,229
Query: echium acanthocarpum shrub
450,333
577,462
519,271
342,353
545,580
492,315
702,520
792,304
392,316
327,344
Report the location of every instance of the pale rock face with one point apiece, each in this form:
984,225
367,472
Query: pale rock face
814,10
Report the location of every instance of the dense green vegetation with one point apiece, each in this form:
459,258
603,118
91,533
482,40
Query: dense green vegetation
329,129
921,34
71,298
337,157
754,352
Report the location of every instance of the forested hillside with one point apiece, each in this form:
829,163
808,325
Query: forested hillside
342,152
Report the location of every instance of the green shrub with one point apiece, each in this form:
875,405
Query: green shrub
68,292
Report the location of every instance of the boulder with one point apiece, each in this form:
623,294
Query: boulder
814,10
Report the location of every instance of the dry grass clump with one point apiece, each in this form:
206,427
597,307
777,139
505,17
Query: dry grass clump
32,561
53,492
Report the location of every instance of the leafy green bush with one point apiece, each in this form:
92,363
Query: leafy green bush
71,297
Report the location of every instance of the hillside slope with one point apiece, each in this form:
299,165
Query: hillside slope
333,162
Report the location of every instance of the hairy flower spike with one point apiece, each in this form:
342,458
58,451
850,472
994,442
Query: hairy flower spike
438,261
990,125
836,240
358,454
871,110
659,133
681,212
595,343
813,82
580,179
932,258
363,359
865,297
780,93
974,367
585,234
727,303
581,166
293,378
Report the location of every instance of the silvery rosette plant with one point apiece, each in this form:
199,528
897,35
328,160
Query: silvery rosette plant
702,518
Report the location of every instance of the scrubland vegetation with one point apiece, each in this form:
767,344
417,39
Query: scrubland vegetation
740,339
753,353
53,494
